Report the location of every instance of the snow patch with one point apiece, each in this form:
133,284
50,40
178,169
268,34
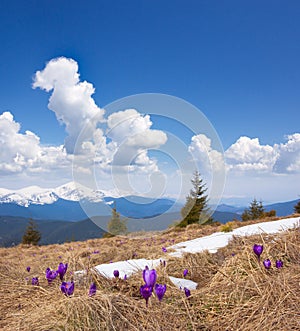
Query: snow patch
181,283
220,239
127,268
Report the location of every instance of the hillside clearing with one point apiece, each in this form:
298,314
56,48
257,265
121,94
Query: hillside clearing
235,291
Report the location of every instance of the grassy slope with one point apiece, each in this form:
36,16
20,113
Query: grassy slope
235,292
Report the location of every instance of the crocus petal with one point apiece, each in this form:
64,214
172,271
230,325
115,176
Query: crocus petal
149,277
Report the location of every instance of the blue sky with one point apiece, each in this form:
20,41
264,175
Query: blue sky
238,62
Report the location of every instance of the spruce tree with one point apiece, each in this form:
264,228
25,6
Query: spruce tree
32,235
196,209
116,226
254,212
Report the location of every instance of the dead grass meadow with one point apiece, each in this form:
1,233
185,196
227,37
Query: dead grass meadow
235,291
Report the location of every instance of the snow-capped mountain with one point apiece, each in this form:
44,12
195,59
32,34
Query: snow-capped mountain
39,196
74,202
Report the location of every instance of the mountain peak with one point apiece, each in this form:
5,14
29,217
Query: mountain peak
36,195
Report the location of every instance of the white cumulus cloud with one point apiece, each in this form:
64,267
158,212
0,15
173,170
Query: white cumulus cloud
71,100
128,136
132,133
17,149
23,153
210,160
288,160
248,154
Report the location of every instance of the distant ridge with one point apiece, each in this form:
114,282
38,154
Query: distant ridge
53,232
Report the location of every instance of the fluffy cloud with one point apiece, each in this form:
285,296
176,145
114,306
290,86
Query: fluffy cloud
23,152
71,100
209,159
247,154
16,148
128,135
288,160
133,136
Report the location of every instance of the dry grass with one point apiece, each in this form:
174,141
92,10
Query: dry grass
235,292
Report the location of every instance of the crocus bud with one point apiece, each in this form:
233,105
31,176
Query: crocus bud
258,249
160,291
187,292
35,281
279,264
92,290
267,263
116,273
62,269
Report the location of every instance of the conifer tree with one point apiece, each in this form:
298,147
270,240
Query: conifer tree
116,226
254,212
31,236
196,209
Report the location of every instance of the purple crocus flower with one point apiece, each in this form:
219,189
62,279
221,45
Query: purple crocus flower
149,277
146,292
125,277
258,249
187,292
92,290
160,290
164,249
279,264
35,281
116,273
51,275
267,263
185,272
28,268
67,288
62,269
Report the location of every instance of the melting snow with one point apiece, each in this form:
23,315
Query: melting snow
211,243
181,283
126,267
220,239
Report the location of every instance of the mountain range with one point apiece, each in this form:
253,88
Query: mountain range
74,212
73,202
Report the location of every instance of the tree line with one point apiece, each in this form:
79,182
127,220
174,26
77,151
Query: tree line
195,211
